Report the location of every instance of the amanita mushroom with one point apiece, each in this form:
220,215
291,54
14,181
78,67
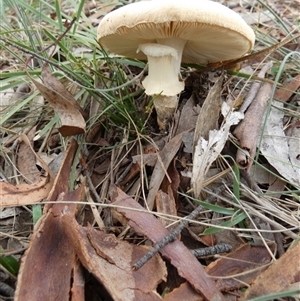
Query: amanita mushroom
168,32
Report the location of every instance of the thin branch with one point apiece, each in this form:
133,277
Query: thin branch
174,233
216,249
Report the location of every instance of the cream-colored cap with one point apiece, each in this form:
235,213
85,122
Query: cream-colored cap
212,31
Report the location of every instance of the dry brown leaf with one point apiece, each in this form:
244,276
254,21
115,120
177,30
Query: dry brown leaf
25,194
172,181
187,265
276,184
164,159
284,93
110,260
249,129
103,8
27,160
63,103
249,261
260,17
188,116
270,281
210,112
47,265
146,159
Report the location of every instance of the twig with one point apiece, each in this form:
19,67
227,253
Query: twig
13,252
61,36
173,234
6,290
216,249
92,187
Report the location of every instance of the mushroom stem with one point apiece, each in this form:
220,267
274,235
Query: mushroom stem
162,70
165,107
164,61
178,45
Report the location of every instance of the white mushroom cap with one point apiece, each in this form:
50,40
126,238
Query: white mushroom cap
201,31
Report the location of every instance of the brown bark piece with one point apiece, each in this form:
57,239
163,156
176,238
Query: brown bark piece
77,290
279,276
187,265
46,268
110,261
165,204
240,261
24,194
183,292
284,93
255,86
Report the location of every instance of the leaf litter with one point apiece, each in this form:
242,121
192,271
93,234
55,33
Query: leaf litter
63,103
67,243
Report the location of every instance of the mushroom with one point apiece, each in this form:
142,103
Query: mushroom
168,32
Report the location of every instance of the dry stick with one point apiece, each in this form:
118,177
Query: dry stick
6,290
92,188
173,234
216,249
253,56
124,174
61,36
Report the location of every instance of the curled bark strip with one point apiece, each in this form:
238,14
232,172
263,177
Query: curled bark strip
242,158
248,131
255,87
25,194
